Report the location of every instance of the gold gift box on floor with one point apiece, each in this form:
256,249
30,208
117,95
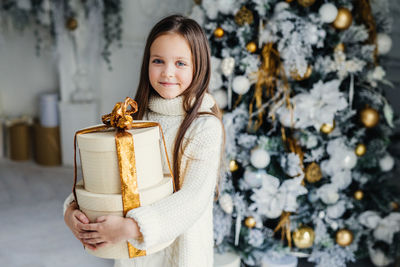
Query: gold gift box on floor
47,148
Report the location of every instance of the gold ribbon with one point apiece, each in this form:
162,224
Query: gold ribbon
121,119
284,221
365,15
267,77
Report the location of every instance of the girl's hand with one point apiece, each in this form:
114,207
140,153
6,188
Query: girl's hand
109,230
74,218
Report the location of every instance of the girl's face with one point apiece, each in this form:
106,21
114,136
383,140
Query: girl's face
170,66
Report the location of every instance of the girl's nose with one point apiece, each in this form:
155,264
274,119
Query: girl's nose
168,71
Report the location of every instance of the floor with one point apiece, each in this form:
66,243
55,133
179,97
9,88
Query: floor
32,231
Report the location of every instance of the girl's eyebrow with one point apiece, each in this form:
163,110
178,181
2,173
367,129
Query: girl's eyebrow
155,55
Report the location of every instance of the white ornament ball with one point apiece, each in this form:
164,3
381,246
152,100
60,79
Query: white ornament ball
349,160
240,85
259,158
280,6
386,163
379,258
221,97
328,12
384,43
254,178
227,65
226,203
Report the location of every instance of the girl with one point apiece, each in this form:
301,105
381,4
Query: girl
173,91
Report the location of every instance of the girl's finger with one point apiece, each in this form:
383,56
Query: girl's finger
87,227
93,241
82,218
100,245
89,235
101,219
89,246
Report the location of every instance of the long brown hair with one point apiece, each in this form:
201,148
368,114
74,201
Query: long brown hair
194,35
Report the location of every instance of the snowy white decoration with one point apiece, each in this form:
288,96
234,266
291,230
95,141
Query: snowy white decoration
384,43
221,97
379,258
197,14
369,219
341,179
241,85
216,79
24,4
270,200
267,199
291,189
313,34
387,227
328,12
259,158
386,163
281,6
344,67
291,163
376,75
336,211
281,261
226,203
316,107
349,160
254,178
328,193
227,65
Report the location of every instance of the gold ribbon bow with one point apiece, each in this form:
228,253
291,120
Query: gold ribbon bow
121,119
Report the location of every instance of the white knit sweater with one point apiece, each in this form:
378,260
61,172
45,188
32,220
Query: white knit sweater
185,216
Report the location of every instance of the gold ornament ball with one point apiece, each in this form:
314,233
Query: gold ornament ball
339,47
303,237
359,194
72,24
327,128
369,117
250,222
344,237
360,150
289,1
394,205
306,3
295,75
343,19
244,16
313,173
251,47
233,165
219,32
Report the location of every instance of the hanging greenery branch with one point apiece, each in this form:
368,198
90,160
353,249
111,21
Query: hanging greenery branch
39,15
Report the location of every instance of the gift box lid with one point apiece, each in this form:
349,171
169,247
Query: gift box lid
113,202
105,141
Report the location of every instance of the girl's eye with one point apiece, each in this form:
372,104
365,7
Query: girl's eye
180,63
157,61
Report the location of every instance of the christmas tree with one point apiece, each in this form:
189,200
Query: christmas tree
308,129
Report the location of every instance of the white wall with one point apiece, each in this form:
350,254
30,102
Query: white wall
23,75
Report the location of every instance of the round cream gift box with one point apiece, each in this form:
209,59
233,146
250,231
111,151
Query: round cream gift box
100,161
95,205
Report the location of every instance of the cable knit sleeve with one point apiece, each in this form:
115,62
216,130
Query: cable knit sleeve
165,220
67,201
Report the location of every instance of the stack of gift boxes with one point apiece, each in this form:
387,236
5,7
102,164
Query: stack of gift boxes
99,192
